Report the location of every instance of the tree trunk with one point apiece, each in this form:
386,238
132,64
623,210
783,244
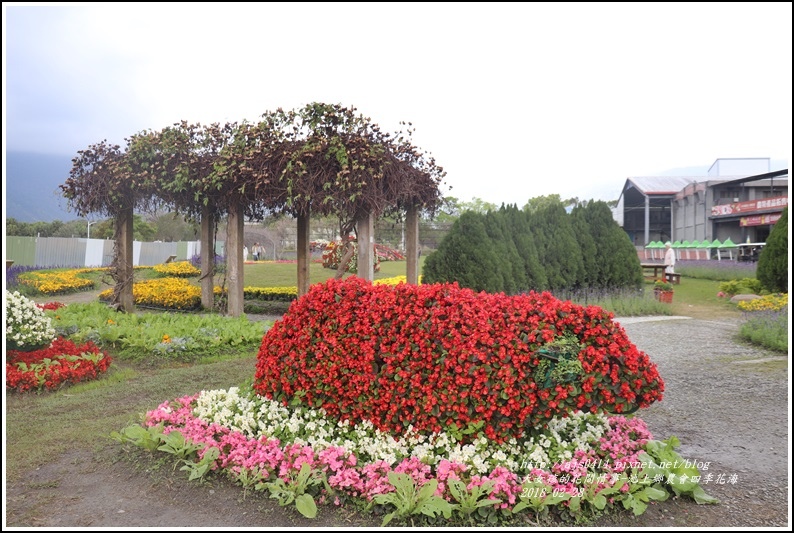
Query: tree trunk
412,246
234,259
304,255
207,258
342,268
123,297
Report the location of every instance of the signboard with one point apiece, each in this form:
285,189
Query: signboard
759,220
751,206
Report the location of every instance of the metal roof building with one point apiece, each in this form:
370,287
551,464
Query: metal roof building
676,208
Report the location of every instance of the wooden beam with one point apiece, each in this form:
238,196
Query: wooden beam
366,247
412,246
304,254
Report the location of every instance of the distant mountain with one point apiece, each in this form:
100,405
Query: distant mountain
32,192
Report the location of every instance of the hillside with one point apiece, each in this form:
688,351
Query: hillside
31,187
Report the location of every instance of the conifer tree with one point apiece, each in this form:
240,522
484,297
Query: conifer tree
587,246
558,249
616,261
772,270
518,227
465,255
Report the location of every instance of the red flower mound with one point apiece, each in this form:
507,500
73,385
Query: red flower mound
62,362
438,355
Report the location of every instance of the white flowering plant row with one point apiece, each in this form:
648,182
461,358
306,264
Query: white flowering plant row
27,326
577,466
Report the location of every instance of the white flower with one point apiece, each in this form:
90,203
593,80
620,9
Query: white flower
27,325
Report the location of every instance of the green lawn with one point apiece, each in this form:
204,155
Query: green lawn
271,274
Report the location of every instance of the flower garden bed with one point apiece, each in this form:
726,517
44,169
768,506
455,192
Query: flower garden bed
61,363
436,401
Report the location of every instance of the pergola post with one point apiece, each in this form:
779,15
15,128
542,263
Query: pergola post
365,228
234,258
207,258
412,245
125,298
303,254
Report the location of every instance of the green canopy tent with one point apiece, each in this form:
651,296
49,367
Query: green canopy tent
652,246
695,245
706,247
685,246
729,246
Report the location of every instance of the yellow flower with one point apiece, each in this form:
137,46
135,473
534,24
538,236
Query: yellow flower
166,339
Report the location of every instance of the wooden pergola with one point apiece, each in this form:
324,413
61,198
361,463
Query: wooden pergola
322,159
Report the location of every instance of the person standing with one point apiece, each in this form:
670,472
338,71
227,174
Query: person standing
245,253
255,251
669,258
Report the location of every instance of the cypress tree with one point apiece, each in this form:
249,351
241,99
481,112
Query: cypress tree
558,248
772,268
616,261
518,227
587,245
465,255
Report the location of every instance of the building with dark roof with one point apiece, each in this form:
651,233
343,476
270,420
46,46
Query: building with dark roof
741,207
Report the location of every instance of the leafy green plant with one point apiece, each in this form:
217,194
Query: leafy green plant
198,469
539,497
469,501
681,476
408,500
472,428
168,335
560,363
741,286
662,285
641,493
296,489
176,444
146,438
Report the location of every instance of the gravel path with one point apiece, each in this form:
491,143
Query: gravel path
728,404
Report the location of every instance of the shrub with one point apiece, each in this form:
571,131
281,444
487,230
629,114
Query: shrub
773,261
741,286
465,255
440,357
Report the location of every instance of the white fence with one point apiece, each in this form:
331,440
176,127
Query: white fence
79,252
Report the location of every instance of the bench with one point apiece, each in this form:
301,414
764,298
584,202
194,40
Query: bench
674,278
170,258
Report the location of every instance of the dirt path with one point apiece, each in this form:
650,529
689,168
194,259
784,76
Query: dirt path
727,402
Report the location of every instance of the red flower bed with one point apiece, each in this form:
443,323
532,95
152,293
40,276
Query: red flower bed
436,355
333,253
388,254
61,363
50,306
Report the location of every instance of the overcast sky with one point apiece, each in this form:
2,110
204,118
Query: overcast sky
513,100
